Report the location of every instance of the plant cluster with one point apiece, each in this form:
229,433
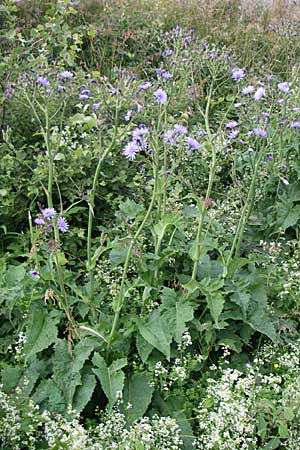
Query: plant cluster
150,252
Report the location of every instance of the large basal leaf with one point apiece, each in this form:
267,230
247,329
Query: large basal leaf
111,377
137,396
156,331
242,299
85,391
258,316
41,330
176,312
67,366
143,347
49,396
215,302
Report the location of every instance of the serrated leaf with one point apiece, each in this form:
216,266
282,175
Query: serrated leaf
242,299
155,331
67,366
130,209
136,397
111,378
215,302
176,312
41,330
143,347
84,392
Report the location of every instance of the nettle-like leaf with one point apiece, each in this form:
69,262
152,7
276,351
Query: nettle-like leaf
156,331
144,348
111,377
215,302
176,312
137,396
130,209
85,391
67,366
41,331
258,316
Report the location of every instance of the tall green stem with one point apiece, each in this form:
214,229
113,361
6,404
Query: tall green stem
120,299
212,172
246,211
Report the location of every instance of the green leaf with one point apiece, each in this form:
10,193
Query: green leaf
168,220
258,316
84,392
215,302
242,299
67,366
117,256
288,215
137,396
111,378
176,311
41,330
143,347
156,331
130,210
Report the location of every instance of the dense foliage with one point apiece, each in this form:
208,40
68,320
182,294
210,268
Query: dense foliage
150,206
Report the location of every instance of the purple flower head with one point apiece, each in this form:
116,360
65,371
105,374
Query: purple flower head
43,81
130,150
270,158
213,55
139,107
283,166
280,101
284,87
145,85
170,137
232,124
139,133
167,53
202,133
247,90
192,143
84,93
95,106
65,74
34,274
184,60
259,132
114,91
9,90
48,91
160,96
295,124
260,93
48,212
39,221
233,134
180,129
128,115
60,88
238,74
266,116
62,224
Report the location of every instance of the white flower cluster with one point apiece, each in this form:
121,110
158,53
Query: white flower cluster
228,423
158,433
167,376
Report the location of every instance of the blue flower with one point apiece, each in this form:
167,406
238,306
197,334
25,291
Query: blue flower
238,74
48,212
260,93
192,143
247,90
161,96
180,129
284,87
34,274
130,150
62,224
43,81
145,85
65,74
